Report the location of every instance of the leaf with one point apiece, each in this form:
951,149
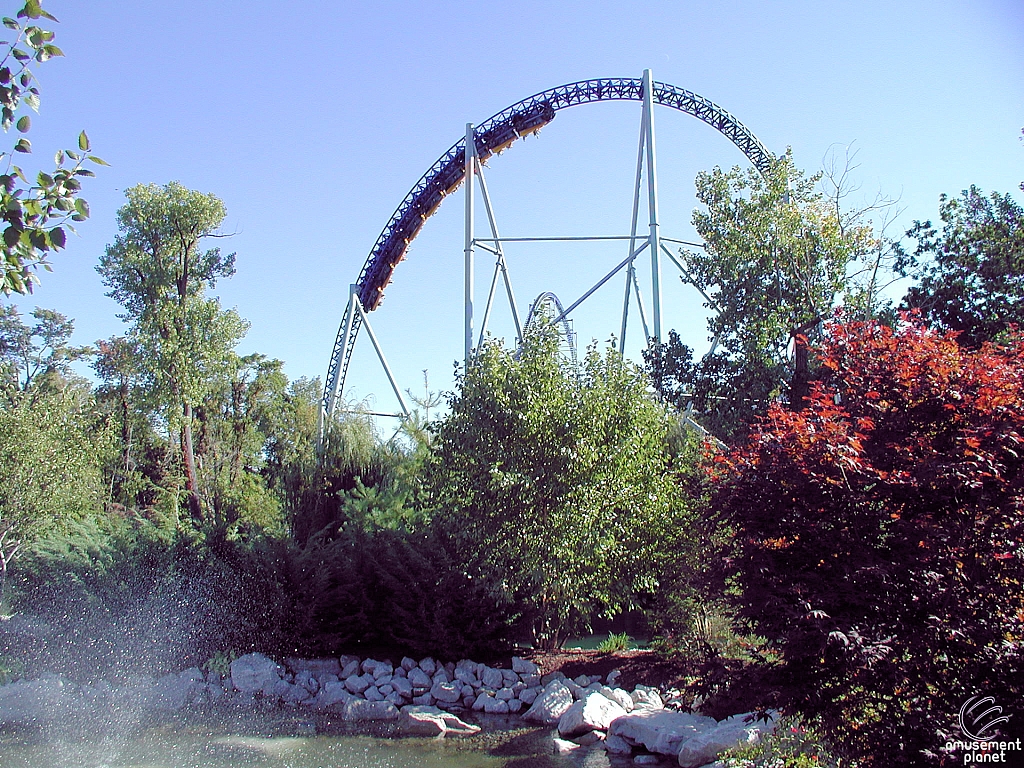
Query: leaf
20,55
11,23
57,237
98,160
24,123
83,142
23,145
58,158
82,207
11,236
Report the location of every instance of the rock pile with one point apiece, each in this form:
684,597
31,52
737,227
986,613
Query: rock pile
422,698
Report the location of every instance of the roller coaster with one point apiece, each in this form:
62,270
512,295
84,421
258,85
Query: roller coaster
461,165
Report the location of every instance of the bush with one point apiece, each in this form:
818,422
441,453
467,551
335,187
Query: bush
879,539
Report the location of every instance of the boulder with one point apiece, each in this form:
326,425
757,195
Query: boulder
350,665
492,679
563,747
419,680
408,664
254,672
592,713
446,692
331,694
551,704
644,697
523,667
732,732
358,683
528,695
360,709
441,723
32,701
660,730
402,686
616,745
429,666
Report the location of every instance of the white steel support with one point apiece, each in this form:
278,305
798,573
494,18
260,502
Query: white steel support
631,272
500,266
652,202
380,355
346,339
471,163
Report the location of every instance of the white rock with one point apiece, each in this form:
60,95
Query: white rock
446,692
646,760
331,694
528,695
408,664
491,678
505,694
426,699
349,666
523,667
429,666
419,680
550,704
732,732
592,713
402,686
373,694
496,707
644,697
563,747
660,730
515,705
358,683
254,672
360,709
582,681
617,745
509,676
480,703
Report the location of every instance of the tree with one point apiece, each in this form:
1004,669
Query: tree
157,270
35,216
50,452
878,538
31,354
556,477
971,275
777,254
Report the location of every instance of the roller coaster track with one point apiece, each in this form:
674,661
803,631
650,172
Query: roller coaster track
493,136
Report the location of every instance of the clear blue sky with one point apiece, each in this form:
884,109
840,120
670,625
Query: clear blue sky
312,127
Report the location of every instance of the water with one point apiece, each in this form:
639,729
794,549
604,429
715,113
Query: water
230,744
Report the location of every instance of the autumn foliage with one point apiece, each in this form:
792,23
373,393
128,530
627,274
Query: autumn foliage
879,537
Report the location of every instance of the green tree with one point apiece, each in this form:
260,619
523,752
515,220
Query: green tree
50,454
971,274
557,478
35,215
777,254
30,355
157,270
878,543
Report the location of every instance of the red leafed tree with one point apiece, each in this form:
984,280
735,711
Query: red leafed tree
879,539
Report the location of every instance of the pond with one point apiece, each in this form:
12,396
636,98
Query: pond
270,741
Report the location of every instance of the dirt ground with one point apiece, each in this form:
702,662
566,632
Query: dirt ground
637,667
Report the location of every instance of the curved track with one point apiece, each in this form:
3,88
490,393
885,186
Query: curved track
492,136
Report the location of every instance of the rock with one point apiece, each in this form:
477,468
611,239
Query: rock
531,681
426,699
373,694
550,704
509,676
254,672
619,696
660,730
306,679
616,745
551,676
441,676
331,694
613,678
446,692
732,732
402,686
592,713
515,705
360,709
528,696
295,694
419,680
408,664
588,739
395,698
349,666
170,693
492,679
316,667
582,681
504,694
429,666
646,760
385,689
431,721
358,683
563,747
644,697
496,707
523,667
480,703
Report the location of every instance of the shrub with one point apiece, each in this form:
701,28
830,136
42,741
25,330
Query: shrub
879,538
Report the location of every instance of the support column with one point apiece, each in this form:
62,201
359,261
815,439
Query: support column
470,172
652,202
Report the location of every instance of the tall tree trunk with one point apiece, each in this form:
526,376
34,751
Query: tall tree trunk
188,455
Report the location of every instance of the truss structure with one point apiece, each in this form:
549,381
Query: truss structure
463,164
